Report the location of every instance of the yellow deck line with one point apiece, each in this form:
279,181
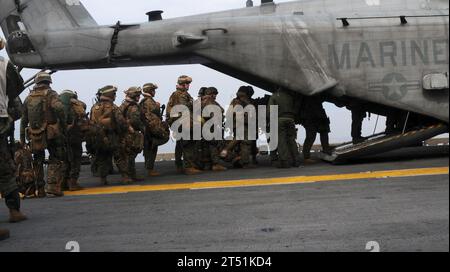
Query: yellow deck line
261,182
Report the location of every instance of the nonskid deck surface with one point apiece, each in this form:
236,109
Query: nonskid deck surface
402,212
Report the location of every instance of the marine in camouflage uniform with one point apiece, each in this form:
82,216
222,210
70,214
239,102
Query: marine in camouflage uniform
156,130
288,154
210,148
244,146
182,97
202,159
107,127
11,85
315,120
133,142
45,125
26,177
77,124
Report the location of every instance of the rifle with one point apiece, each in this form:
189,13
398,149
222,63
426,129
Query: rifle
12,140
163,108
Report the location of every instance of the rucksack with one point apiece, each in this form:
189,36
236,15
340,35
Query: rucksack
80,116
26,176
102,135
37,106
133,142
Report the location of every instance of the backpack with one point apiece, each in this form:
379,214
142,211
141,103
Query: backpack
25,175
133,142
102,135
37,106
80,116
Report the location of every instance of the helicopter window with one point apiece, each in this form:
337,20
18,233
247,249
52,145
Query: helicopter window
21,26
19,43
18,40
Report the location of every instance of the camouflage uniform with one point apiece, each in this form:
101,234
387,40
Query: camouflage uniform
210,149
26,177
11,85
288,154
77,123
133,142
156,130
244,146
108,126
315,120
44,123
182,97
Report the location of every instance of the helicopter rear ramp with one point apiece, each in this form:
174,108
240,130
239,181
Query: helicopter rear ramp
380,143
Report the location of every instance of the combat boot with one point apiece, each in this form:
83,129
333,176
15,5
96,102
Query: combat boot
41,193
309,161
180,170
55,190
218,168
4,234
16,216
153,173
73,185
13,203
192,171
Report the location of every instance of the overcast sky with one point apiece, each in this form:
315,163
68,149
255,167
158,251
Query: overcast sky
86,82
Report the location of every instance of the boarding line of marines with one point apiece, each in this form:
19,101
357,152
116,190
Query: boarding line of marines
59,124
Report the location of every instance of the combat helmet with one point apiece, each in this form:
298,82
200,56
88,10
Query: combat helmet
70,93
133,92
43,77
184,80
242,90
202,91
148,87
108,90
211,90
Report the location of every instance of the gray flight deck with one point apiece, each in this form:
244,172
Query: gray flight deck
400,213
